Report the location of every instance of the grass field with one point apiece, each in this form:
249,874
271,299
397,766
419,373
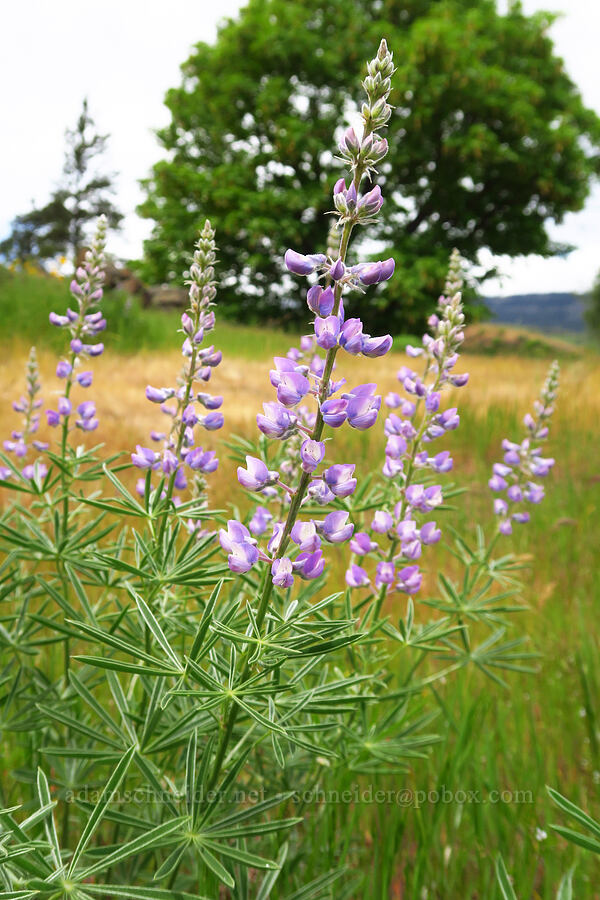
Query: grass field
545,728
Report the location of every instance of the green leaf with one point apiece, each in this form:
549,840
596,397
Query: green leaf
49,824
94,820
506,887
161,835
215,866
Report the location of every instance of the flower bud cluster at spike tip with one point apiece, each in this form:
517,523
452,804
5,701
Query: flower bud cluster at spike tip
515,479
27,406
417,420
84,325
182,402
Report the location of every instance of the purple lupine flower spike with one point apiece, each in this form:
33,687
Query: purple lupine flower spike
523,462
180,444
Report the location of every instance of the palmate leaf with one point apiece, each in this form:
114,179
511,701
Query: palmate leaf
491,655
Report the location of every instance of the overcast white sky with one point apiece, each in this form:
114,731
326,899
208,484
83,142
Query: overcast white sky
125,54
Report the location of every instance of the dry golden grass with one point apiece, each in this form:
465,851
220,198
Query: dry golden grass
127,417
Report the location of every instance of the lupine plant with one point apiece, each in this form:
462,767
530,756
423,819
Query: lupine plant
176,680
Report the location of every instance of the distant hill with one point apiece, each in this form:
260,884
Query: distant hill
544,312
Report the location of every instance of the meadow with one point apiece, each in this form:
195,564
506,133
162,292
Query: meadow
500,744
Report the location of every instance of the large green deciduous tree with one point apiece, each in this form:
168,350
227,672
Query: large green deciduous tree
83,194
488,141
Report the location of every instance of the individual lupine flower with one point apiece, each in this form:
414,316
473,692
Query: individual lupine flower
87,420
291,389
335,527
240,545
260,520
385,574
309,565
200,460
327,331
305,535
356,577
374,272
339,479
523,462
145,458
363,407
281,570
277,422
320,300
409,580
299,264
311,453
256,476
361,544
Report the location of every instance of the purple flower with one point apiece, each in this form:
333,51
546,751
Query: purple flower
39,468
339,479
209,402
430,534
281,571
534,493
84,379
201,460
63,369
356,577
256,476
327,331
213,421
320,493
409,580
385,573
382,522
377,346
361,543
320,300
305,535
311,454
189,417
59,321
337,270
53,418
64,406
292,388
362,407
87,413
277,422
441,462
242,557
373,273
352,337
334,528
333,411
309,565
260,520
158,395
236,534
396,446
144,458
299,264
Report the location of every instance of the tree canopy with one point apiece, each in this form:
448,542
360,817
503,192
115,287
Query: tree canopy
489,140
83,194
